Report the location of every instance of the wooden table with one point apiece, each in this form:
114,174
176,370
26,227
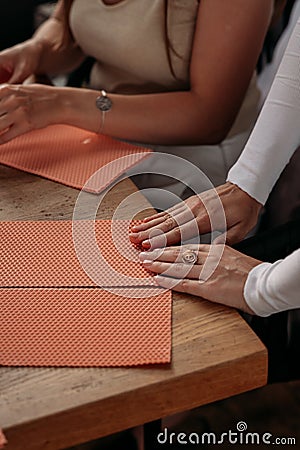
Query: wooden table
214,353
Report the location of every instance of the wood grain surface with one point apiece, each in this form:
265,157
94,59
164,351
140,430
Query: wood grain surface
214,353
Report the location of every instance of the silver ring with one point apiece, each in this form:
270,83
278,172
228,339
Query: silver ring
189,257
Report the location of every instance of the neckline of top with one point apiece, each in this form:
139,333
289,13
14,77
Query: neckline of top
111,5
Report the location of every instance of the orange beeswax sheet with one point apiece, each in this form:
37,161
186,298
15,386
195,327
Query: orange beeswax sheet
52,254
71,156
83,327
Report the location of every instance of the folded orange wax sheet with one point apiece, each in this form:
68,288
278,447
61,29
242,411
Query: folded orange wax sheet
83,327
70,156
42,254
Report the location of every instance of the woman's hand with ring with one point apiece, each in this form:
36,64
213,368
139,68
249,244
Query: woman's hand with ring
193,216
225,284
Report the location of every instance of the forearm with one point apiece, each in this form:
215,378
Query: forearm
205,113
271,288
147,119
277,132
165,118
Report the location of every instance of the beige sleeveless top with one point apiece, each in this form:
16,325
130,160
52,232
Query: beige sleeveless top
129,42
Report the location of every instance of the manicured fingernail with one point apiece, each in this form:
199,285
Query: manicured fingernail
147,261
146,243
143,255
158,279
134,237
134,228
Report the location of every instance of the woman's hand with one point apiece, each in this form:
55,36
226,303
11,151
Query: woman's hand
241,212
19,62
225,284
27,107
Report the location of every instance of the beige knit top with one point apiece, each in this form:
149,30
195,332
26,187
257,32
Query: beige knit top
138,47
128,41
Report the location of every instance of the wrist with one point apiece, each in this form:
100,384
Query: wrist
48,109
36,48
241,211
65,106
243,196
246,308
78,108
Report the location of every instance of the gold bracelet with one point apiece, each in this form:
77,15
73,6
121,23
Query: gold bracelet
104,104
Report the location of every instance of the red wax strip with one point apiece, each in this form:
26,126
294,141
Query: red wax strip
71,156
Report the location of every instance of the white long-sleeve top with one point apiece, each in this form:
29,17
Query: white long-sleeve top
271,288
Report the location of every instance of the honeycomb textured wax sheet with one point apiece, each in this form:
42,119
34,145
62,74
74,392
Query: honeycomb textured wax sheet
83,327
53,314
41,254
71,156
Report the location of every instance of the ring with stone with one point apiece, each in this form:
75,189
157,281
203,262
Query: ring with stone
189,257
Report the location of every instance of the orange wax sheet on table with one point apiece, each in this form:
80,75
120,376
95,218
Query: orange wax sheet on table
45,254
71,156
83,327
53,314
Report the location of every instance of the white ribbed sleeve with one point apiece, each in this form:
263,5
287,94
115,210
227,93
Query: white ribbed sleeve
276,134
271,288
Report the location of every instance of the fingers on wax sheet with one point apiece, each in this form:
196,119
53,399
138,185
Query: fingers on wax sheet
71,156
